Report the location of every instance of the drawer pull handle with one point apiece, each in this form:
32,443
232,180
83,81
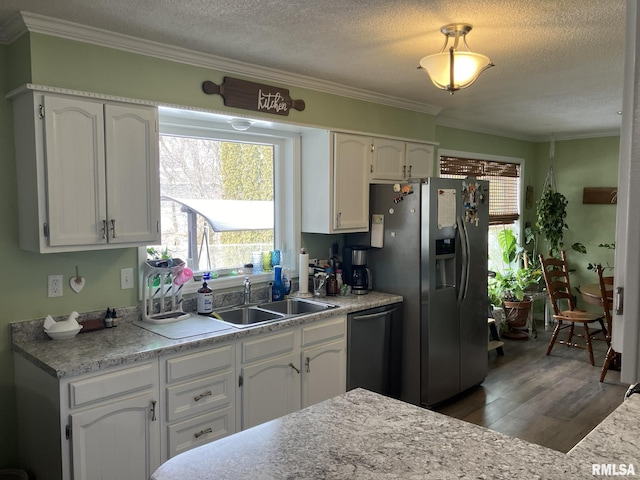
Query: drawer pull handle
153,410
307,362
203,395
202,432
294,367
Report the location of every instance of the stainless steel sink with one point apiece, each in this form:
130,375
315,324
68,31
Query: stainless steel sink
295,306
246,316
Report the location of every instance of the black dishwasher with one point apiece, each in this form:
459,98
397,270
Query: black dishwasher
373,350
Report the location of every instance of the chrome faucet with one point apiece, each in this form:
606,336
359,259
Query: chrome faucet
247,290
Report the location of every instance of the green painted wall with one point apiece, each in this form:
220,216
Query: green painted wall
64,63
591,162
69,64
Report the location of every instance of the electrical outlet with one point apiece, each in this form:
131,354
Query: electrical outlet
55,286
126,278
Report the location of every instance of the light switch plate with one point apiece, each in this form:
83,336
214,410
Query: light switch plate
126,278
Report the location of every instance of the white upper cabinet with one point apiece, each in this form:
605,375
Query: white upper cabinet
335,182
398,161
419,160
387,160
87,173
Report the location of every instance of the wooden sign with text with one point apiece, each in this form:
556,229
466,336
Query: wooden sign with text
600,195
253,96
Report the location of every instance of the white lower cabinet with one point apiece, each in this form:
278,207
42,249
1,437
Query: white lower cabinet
97,425
324,372
199,393
116,440
123,422
282,373
113,423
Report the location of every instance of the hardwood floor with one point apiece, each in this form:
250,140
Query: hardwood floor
552,400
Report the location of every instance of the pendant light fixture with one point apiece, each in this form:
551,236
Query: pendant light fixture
452,69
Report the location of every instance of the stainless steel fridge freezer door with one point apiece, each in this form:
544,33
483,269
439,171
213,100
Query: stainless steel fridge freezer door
440,309
474,363
454,312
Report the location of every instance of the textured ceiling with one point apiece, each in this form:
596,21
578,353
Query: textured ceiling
559,63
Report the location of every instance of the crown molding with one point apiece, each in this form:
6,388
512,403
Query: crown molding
30,22
12,29
451,123
446,122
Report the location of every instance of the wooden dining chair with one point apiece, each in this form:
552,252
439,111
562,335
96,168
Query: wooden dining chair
556,276
606,293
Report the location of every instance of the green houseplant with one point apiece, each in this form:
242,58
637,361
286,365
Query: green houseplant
507,289
551,212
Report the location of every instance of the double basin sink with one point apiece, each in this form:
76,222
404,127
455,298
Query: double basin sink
244,316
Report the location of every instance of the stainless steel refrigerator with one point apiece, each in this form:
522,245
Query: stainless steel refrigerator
434,253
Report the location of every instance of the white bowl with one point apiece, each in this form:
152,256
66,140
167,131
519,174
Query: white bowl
64,333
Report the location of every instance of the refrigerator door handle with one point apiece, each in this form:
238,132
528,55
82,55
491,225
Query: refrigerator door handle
464,273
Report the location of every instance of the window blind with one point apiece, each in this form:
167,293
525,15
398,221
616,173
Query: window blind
504,178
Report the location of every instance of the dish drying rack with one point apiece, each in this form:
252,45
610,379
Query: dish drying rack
162,298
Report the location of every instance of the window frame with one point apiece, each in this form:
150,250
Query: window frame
518,224
287,236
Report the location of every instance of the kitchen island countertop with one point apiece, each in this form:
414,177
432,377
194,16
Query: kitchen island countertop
363,435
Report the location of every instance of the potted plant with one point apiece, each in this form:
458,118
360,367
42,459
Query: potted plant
507,289
551,211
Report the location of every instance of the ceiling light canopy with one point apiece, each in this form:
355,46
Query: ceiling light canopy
452,69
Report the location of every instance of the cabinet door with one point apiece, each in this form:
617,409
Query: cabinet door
270,390
75,171
115,441
324,372
133,181
388,160
351,186
419,160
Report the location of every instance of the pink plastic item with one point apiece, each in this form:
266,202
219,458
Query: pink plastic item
183,276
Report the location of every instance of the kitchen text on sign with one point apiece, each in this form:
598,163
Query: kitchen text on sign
253,96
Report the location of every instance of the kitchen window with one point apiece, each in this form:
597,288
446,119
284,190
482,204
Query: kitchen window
224,195
505,191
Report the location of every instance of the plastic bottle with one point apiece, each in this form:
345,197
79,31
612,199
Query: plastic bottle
205,300
277,289
339,278
332,285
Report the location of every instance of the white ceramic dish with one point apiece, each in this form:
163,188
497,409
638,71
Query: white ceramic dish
64,333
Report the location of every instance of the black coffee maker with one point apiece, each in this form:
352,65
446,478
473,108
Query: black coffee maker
355,271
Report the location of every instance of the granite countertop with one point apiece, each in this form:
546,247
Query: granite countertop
129,343
363,435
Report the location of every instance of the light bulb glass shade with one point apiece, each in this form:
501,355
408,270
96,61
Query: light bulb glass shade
467,67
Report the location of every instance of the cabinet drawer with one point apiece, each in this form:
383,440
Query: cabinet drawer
254,350
199,396
108,385
200,363
324,332
197,431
